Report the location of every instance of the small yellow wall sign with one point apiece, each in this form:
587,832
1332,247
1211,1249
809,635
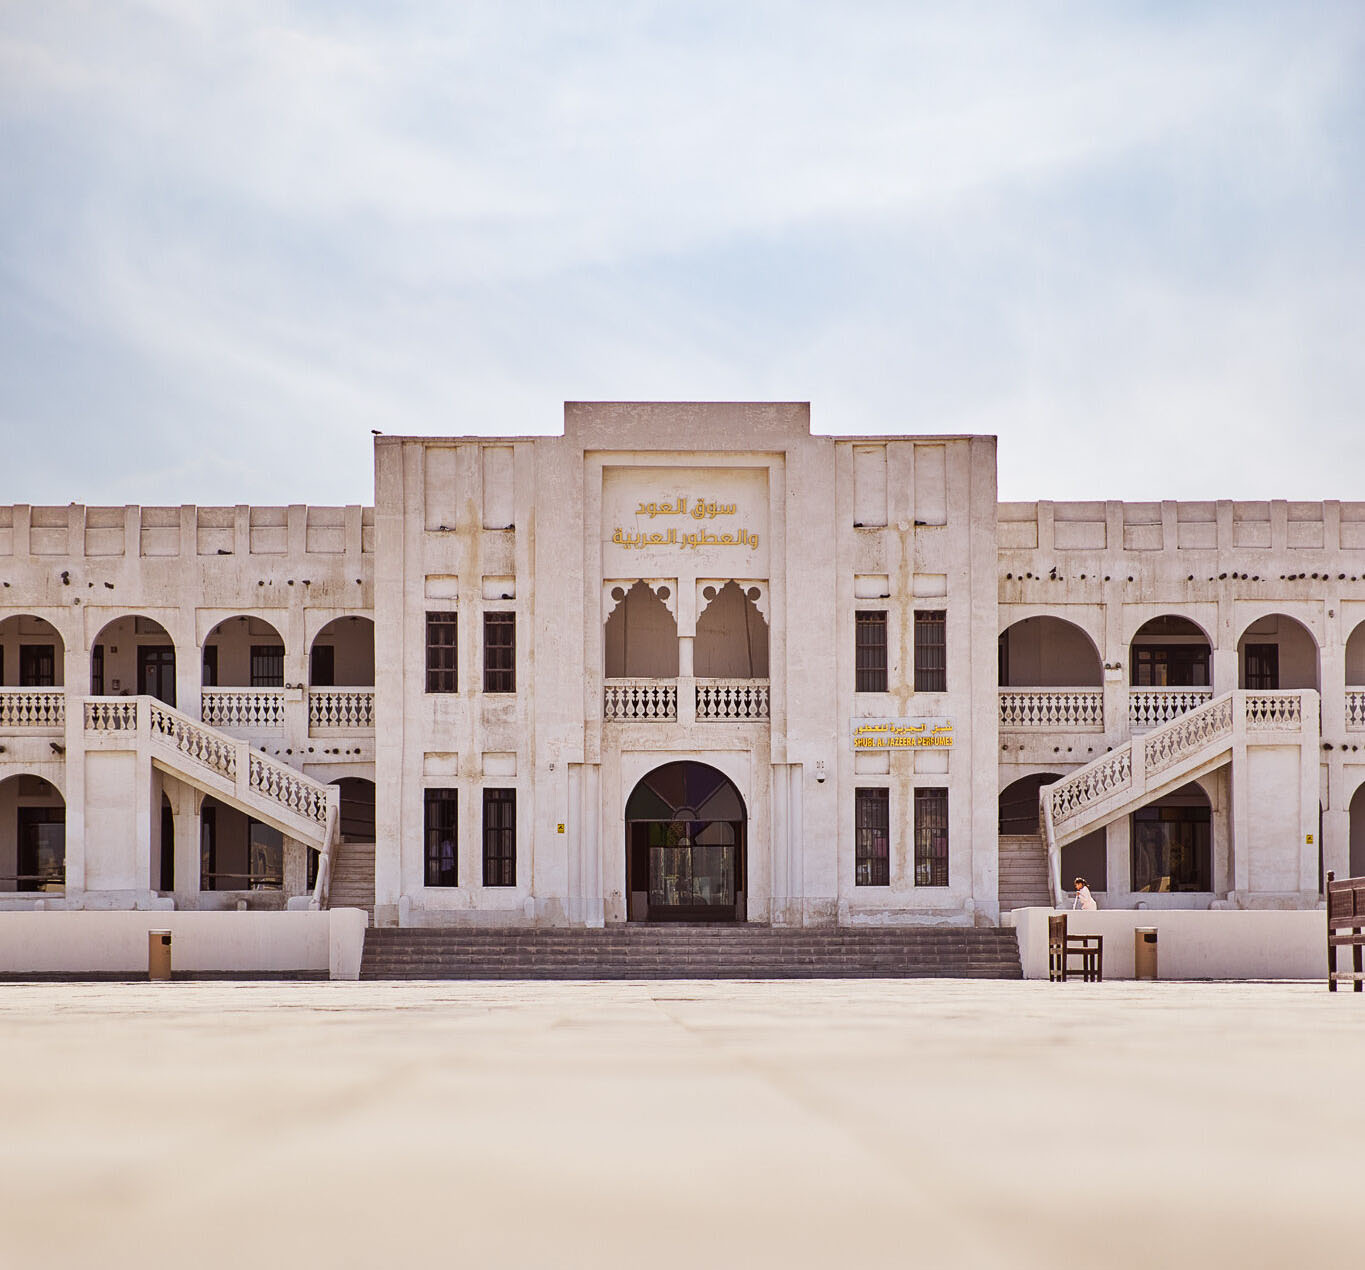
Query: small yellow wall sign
930,732
559,828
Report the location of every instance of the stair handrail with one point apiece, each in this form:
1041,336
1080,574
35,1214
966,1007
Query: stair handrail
322,888
1125,766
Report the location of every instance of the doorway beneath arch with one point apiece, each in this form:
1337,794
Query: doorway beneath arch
685,846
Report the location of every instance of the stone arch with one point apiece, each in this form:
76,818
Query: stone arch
1277,651
32,835
1355,657
32,652
641,634
686,827
1171,842
1048,652
342,654
132,655
1170,651
243,651
732,634
356,820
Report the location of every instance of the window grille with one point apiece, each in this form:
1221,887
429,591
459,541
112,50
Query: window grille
442,642
870,651
931,837
872,837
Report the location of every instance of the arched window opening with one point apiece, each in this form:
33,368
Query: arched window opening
133,655
32,836
732,635
244,652
1172,843
342,655
641,635
1277,652
1169,652
31,653
1356,858
1048,652
357,809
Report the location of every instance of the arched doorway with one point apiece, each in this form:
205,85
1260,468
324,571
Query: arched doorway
685,846
32,835
133,654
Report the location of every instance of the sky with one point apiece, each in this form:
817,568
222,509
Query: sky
235,237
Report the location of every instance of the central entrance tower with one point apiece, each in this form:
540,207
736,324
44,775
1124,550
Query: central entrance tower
685,840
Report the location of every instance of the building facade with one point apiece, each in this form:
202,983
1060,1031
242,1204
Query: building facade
682,662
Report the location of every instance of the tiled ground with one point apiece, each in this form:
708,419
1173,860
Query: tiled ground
924,1123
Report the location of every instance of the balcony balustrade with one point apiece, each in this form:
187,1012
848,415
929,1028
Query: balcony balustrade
1149,708
340,709
1052,709
243,709
32,709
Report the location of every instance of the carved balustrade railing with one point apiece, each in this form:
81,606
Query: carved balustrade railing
110,714
1274,711
207,748
1355,709
640,699
32,709
1151,707
1180,738
340,709
272,785
1052,709
732,699
246,709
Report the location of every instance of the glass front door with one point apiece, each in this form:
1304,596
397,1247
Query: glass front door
685,836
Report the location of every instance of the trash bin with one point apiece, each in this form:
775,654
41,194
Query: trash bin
1144,952
158,954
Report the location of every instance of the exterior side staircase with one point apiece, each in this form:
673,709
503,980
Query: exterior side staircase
353,877
226,767
1159,762
1023,875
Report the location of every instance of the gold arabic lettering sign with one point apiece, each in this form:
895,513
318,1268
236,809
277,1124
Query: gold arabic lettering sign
700,509
902,734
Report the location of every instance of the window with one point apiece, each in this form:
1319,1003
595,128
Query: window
440,827
870,651
931,837
267,666
265,857
41,849
499,837
1170,666
210,679
1263,667
500,652
1170,850
872,837
931,650
322,662
441,646
37,666
97,671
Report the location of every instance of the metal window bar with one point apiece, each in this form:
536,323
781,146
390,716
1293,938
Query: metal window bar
440,834
872,837
442,644
931,650
267,666
500,652
931,837
870,650
499,837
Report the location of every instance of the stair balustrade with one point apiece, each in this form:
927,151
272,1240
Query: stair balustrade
732,700
1052,709
1146,766
32,709
1355,709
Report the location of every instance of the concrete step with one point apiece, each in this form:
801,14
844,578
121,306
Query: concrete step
664,951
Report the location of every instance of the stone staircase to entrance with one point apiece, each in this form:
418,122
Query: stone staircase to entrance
677,951
1023,881
353,877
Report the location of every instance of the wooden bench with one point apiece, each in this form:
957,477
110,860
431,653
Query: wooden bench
1345,922
1063,948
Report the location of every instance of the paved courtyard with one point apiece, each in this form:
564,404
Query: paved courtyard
923,1123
